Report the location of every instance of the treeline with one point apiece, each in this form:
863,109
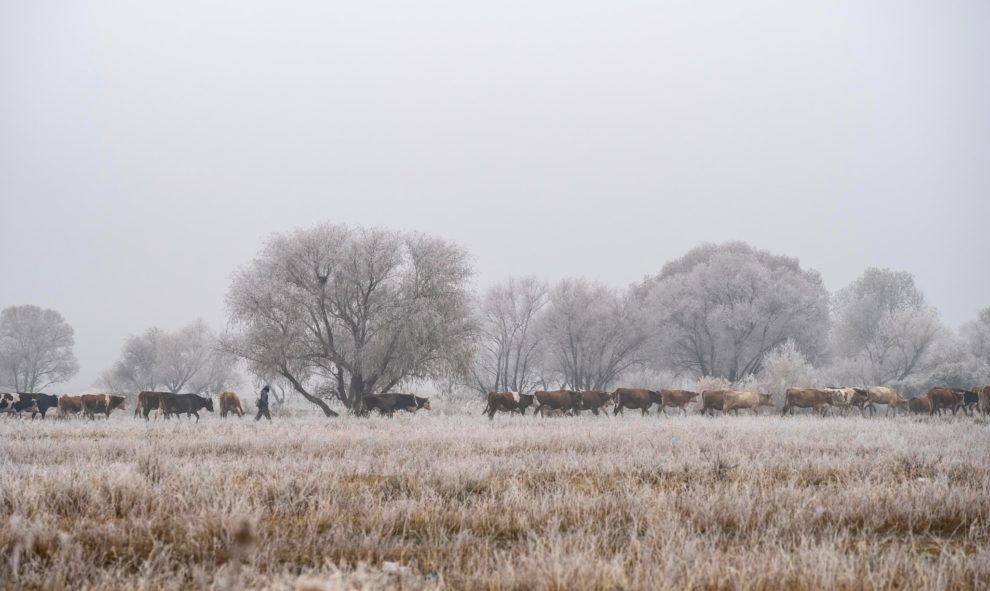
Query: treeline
336,312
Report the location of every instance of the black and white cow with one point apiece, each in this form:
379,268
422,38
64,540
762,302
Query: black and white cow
12,402
44,402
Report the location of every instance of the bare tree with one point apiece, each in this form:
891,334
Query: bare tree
976,335
187,359
507,343
352,311
719,309
35,348
883,327
592,333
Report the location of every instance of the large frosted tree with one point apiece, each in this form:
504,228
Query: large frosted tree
719,309
35,348
343,312
883,329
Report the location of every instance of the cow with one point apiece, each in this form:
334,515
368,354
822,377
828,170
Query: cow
594,400
733,401
943,398
230,402
712,400
507,402
148,401
13,402
101,403
675,399
819,400
885,395
846,398
387,404
566,401
920,405
633,398
44,403
69,405
177,404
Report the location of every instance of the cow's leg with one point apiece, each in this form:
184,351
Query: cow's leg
783,412
197,415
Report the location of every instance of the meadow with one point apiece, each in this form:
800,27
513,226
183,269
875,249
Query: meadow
451,500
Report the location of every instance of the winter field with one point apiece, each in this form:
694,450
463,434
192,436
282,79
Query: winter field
449,499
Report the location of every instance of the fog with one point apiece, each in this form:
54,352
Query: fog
146,152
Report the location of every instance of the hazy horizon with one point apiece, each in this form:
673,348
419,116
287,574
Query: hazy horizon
146,152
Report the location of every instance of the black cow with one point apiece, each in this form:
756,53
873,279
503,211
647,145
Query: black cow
190,404
970,400
12,402
43,403
387,404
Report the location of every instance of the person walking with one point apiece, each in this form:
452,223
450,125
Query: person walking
263,405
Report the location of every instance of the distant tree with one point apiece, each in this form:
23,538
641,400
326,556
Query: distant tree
507,343
883,327
35,348
188,359
719,309
352,311
592,334
976,335
784,366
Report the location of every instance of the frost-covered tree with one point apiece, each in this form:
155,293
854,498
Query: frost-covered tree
883,328
976,335
783,367
719,309
592,333
344,312
507,344
188,359
35,348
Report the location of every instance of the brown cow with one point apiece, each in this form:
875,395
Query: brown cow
940,398
984,396
101,403
230,402
819,400
885,395
676,399
712,400
733,401
920,405
562,400
69,405
148,401
509,402
634,398
594,400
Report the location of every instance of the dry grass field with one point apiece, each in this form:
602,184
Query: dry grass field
454,501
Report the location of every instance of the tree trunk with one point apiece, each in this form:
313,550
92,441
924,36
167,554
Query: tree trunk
315,400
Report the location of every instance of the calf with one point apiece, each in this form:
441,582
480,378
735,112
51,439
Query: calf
101,403
565,401
190,404
819,400
633,398
733,401
920,405
509,402
387,404
230,402
676,399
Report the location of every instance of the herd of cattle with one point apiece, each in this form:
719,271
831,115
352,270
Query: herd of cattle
569,402
820,400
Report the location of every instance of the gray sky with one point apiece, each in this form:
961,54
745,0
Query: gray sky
146,151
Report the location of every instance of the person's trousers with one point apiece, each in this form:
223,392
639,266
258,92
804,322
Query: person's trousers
263,412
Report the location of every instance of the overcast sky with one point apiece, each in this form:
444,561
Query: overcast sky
148,150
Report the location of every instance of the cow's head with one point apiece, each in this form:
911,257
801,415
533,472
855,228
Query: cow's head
422,403
208,405
691,396
117,402
7,401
